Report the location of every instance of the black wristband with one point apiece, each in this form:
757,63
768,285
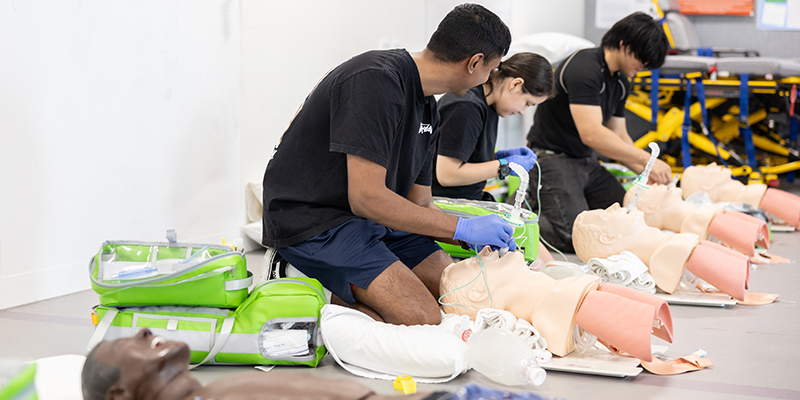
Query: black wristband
464,245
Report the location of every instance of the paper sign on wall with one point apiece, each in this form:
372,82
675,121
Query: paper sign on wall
779,14
607,12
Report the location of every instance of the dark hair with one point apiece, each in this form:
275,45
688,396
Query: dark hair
467,30
644,37
534,69
97,377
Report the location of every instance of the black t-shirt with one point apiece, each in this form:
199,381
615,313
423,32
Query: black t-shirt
582,79
468,132
371,106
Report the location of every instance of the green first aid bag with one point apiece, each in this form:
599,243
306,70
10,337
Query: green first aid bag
277,324
126,273
526,235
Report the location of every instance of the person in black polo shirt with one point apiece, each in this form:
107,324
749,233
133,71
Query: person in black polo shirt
347,196
588,113
468,129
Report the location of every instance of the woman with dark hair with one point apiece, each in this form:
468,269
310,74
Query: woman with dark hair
466,155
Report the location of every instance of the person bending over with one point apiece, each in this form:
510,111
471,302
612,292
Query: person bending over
468,129
588,114
347,196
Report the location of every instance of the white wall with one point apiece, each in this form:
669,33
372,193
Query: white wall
288,46
119,120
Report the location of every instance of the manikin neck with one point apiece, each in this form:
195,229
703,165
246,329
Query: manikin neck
672,217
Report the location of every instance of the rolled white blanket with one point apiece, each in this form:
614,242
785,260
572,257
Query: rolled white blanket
494,318
623,269
502,319
644,283
533,338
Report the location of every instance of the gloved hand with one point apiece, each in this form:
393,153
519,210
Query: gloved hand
486,230
524,161
516,151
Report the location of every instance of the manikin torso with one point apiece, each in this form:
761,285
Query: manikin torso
664,208
603,233
548,304
614,314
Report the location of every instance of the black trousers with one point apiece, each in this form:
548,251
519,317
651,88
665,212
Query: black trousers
570,186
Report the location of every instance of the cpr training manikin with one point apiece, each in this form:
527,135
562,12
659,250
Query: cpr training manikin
618,316
603,233
664,208
717,183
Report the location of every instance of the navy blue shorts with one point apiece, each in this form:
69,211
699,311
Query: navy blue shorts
356,252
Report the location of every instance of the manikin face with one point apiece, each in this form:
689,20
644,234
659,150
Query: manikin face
150,366
658,197
499,270
512,100
706,177
503,276
601,233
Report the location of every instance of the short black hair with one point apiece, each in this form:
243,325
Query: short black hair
534,69
643,36
97,377
467,30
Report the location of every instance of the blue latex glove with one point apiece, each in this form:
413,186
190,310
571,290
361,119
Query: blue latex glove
486,230
516,151
524,161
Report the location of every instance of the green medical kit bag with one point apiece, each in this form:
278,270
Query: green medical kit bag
20,387
526,235
277,324
126,273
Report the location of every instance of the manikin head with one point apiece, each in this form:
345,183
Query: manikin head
144,366
471,34
664,208
521,81
503,275
148,367
707,178
602,233
655,199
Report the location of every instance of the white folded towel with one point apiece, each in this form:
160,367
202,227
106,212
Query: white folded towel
644,283
533,338
494,318
623,269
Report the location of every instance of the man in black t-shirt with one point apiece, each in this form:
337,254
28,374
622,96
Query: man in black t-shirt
586,115
347,196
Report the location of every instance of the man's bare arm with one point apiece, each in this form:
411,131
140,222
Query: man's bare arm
421,195
370,198
614,142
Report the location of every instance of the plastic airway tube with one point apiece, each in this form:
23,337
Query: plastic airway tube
523,187
523,176
641,181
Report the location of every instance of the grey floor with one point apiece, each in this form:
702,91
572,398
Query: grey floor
754,348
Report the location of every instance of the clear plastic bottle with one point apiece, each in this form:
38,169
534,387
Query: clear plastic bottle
503,357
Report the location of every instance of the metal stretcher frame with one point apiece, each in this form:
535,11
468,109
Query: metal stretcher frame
719,90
